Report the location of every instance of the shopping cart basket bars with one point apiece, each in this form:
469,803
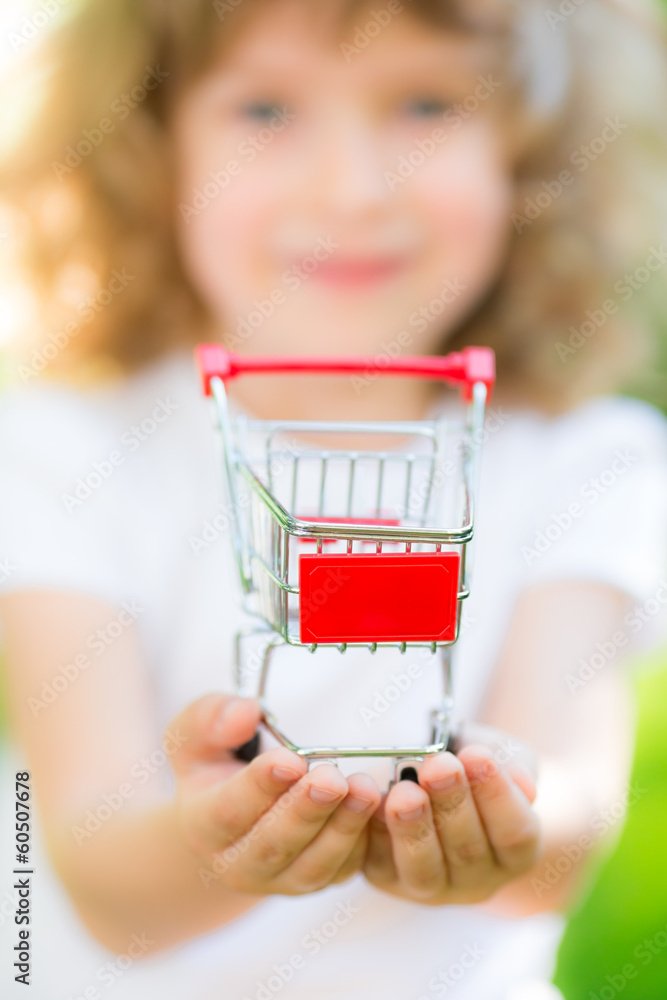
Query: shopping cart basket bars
395,521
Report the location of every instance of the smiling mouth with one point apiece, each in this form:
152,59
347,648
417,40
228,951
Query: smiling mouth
358,273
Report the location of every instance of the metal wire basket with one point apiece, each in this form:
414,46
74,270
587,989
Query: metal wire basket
352,534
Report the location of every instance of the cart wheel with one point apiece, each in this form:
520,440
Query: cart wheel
406,769
248,751
314,762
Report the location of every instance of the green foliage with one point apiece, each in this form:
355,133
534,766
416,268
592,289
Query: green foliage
623,922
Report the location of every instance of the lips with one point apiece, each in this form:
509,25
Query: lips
358,273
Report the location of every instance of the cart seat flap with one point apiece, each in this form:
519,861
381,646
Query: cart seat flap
378,597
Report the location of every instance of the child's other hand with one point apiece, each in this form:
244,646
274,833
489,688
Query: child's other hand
464,831
269,826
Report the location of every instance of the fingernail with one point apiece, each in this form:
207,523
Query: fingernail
323,796
442,784
409,814
226,711
481,769
357,805
284,773
219,721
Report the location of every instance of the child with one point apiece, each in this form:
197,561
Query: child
294,177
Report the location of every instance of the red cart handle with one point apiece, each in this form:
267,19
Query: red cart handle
463,368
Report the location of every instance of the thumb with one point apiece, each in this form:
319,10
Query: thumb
210,728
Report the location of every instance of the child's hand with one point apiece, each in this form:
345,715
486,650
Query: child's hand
268,826
463,832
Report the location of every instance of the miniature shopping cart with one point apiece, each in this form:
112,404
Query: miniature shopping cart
353,534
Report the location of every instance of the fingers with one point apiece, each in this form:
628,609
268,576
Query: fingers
338,850
209,727
507,750
283,833
524,780
510,824
416,849
308,836
379,862
226,811
355,859
459,829
459,833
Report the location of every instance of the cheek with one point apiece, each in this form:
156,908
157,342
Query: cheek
222,240
467,196
227,194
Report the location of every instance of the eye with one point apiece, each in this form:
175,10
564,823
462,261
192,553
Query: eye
426,107
261,111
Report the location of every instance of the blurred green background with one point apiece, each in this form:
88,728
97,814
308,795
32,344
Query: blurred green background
622,921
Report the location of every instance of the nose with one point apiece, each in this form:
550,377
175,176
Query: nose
348,176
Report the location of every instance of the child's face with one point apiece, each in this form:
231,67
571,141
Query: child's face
341,220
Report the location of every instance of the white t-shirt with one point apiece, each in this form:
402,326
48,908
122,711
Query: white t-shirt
116,494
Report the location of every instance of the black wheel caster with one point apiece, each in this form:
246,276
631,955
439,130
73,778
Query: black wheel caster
248,751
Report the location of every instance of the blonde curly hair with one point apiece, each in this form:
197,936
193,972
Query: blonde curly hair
585,116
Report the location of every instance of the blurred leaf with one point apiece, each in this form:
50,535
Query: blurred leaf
624,919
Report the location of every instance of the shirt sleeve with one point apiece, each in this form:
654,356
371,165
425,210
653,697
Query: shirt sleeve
600,510
56,529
